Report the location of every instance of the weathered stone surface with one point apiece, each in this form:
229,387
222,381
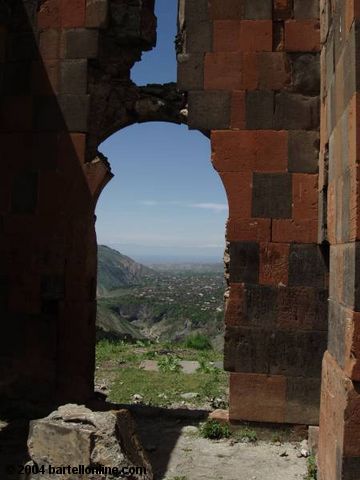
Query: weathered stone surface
190,71
303,151
209,110
244,262
307,266
73,77
272,195
259,110
80,43
305,73
74,435
296,112
258,9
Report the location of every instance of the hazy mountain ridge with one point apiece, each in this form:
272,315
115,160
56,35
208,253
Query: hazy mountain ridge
116,270
166,303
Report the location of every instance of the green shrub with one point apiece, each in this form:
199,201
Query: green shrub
197,341
170,363
312,468
246,434
214,430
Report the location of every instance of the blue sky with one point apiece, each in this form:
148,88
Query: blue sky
165,199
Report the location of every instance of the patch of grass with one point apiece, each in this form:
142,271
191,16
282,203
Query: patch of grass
246,434
178,478
158,388
107,350
276,438
214,430
197,341
206,367
311,468
169,363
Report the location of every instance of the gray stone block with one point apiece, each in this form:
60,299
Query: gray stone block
306,9
259,110
73,77
258,9
209,110
244,262
190,71
296,112
303,151
199,38
307,266
75,111
306,73
196,11
80,43
272,195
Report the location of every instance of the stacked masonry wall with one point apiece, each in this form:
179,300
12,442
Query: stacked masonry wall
252,72
339,455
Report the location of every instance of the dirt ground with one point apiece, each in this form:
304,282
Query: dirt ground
177,452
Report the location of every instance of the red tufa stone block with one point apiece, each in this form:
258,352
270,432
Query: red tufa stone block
226,35
250,150
258,398
223,71
331,213
289,231
235,305
238,188
274,263
238,110
305,196
250,79
302,36
352,345
274,70
72,13
248,229
339,421
244,35
49,14
256,36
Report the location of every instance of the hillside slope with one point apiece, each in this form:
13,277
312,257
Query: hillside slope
116,271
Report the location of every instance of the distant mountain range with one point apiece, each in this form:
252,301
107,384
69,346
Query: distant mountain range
169,303
117,271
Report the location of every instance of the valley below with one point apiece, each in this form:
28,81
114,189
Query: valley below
165,302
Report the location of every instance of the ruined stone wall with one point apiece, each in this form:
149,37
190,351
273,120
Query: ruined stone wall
339,456
252,72
49,185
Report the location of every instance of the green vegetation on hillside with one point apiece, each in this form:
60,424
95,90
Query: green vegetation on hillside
119,368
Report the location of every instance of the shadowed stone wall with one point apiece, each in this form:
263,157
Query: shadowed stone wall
339,446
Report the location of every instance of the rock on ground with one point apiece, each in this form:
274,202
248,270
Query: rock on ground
74,436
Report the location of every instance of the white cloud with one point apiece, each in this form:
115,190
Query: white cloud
216,207
149,203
